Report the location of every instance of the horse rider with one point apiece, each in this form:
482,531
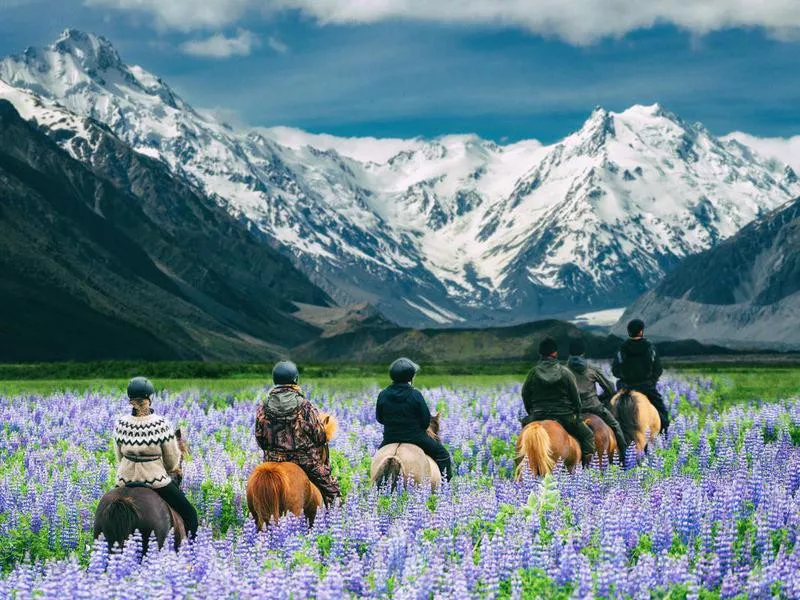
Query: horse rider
551,392
289,429
405,416
637,367
588,378
148,452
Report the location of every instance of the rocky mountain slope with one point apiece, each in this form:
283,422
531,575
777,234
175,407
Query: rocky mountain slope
452,231
745,291
95,264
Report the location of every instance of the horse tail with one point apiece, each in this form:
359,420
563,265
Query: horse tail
390,471
535,447
266,493
119,520
628,417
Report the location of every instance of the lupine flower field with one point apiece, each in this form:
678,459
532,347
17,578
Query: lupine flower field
713,511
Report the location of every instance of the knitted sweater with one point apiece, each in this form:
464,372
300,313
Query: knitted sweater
147,450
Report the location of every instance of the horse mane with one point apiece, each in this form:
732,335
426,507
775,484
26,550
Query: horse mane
330,424
628,416
434,427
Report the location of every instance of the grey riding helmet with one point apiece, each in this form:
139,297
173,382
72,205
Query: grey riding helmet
403,370
285,373
140,388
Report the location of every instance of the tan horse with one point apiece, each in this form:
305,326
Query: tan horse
275,488
408,462
604,440
637,416
544,443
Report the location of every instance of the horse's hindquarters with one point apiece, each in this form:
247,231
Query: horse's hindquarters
403,461
122,511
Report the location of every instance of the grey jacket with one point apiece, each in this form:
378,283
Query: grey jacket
588,378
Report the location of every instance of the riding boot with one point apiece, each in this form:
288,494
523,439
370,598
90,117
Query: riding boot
612,422
437,452
175,497
657,401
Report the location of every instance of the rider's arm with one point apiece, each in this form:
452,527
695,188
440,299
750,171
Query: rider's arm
171,452
527,392
658,370
606,385
262,423
616,366
316,428
424,411
379,408
572,391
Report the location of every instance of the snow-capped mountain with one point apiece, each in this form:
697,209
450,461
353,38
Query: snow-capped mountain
456,230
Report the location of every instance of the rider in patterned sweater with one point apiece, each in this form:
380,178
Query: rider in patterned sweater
638,367
148,452
588,378
289,429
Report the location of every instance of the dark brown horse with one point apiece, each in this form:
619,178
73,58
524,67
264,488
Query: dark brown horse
275,488
604,440
123,510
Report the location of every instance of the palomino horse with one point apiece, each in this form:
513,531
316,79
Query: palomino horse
637,416
123,510
604,440
544,443
407,462
275,488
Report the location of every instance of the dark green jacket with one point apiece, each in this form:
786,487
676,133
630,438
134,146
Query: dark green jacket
588,378
550,390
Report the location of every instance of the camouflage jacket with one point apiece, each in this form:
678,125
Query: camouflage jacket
287,423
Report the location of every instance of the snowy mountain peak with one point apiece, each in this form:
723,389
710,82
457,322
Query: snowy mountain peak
93,52
451,230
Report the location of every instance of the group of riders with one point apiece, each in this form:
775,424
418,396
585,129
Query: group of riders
288,428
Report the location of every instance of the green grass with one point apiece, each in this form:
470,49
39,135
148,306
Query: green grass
734,384
737,385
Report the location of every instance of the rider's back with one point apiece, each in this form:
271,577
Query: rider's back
288,422
147,450
637,363
550,389
403,412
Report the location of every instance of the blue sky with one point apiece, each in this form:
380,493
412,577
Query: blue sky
505,76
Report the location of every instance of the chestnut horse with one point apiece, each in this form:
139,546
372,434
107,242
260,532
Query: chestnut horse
408,462
275,488
604,440
544,443
123,510
638,418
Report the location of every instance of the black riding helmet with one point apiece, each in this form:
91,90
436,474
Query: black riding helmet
403,370
140,388
285,373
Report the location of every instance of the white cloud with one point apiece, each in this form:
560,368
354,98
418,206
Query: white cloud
219,46
786,150
277,45
576,21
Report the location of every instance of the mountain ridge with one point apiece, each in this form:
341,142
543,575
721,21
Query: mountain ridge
446,232
744,291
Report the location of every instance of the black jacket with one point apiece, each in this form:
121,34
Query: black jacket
550,390
403,412
588,378
637,364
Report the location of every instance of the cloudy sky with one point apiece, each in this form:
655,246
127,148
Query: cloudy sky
505,69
